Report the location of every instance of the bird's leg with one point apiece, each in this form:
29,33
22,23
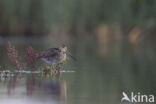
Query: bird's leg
59,66
51,69
56,70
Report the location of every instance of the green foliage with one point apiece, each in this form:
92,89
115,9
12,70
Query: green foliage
65,61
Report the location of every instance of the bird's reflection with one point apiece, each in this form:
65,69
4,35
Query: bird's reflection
37,86
55,88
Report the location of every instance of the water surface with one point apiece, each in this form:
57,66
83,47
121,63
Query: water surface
99,76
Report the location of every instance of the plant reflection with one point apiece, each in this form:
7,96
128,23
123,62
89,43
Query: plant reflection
12,84
37,85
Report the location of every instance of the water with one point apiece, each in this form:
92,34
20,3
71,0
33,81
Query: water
99,76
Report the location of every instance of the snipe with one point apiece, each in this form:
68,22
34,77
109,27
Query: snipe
55,56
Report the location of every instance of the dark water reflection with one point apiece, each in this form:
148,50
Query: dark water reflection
99,76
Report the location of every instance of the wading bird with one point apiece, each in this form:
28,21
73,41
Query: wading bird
55,56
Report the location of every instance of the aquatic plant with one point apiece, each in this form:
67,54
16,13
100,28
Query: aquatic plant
30,57
13,56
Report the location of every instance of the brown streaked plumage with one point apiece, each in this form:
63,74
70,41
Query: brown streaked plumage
54,55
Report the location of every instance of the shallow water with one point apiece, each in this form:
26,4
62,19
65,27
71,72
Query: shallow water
99,76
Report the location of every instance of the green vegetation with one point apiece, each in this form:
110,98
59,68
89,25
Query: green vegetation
73,18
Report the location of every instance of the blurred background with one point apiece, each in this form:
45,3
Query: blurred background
78,18
113,41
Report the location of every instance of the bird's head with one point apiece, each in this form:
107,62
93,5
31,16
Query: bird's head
63,48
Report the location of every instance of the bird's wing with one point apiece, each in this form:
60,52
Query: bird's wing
51,52
47,53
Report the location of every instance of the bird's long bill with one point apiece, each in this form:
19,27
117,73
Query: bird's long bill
68,53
